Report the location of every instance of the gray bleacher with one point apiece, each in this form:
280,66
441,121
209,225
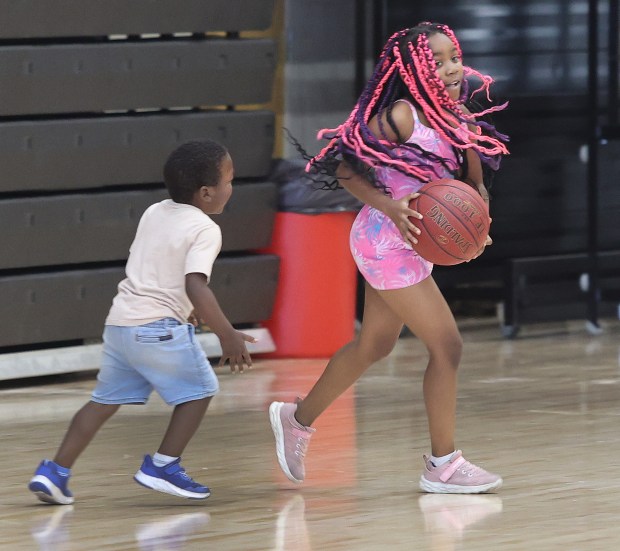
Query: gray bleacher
90,107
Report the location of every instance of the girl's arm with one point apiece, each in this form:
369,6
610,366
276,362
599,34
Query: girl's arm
397,210
475,178
474,175
358,186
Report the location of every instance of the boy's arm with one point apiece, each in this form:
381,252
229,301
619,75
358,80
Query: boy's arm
208,309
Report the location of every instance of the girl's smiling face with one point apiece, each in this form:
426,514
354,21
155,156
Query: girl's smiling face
449,63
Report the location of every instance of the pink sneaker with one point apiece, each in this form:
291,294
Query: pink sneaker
292,440
457,476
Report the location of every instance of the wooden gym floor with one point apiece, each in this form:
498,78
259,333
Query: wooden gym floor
542,410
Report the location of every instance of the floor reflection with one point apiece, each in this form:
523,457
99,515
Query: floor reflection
447,517
169,533
50,531
291,529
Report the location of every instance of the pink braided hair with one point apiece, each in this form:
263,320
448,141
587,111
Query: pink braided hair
406,65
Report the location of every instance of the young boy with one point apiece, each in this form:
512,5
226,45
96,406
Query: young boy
147,342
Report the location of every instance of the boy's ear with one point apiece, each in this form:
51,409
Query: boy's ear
205,193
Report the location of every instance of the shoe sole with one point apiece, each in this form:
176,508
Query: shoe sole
48,492
160,485
441,488
278,432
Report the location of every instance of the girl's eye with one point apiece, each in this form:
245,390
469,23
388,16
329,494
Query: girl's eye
438,64
456,59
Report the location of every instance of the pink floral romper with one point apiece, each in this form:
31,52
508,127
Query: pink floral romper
382,256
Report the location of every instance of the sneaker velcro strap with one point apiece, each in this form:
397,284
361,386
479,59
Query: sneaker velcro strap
451,469
173,467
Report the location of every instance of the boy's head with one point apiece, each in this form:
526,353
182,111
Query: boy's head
196,165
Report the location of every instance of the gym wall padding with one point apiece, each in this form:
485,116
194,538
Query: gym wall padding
82,153
91,18
134,75
37,230
86,123
72,305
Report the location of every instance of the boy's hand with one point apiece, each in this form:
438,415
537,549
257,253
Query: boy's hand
235,352
194,319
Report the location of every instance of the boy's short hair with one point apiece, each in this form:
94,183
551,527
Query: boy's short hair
193,165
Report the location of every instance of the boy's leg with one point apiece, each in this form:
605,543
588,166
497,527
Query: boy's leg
51,478
171,478
84,425
178,369
184,423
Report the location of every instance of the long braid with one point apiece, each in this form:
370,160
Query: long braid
407,61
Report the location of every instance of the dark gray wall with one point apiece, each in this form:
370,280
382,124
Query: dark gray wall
319,71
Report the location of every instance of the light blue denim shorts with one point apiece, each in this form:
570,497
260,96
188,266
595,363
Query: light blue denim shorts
163,355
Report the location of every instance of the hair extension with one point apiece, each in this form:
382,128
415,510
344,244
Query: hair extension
407,69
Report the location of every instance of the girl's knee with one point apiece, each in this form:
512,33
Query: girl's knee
449,349
376,349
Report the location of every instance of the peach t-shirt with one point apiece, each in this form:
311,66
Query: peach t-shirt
172,240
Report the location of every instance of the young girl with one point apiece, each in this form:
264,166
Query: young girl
410,126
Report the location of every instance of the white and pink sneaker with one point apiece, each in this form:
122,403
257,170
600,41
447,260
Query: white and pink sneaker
292,440
457,476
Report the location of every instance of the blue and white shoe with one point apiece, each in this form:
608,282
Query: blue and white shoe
170,479
49,483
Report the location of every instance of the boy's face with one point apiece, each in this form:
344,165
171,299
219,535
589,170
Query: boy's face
449,64
213,199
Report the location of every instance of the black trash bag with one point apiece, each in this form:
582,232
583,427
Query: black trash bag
298,193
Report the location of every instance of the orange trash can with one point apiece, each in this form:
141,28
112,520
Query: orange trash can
314,309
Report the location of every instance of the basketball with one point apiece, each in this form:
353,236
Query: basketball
455,222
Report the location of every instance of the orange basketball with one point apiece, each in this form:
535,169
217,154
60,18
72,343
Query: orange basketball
455,222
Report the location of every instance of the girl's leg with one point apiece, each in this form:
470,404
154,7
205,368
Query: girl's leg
380,330
428,316
84,425
184,423
291,422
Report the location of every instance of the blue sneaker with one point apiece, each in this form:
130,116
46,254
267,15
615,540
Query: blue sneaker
49,483
170,479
